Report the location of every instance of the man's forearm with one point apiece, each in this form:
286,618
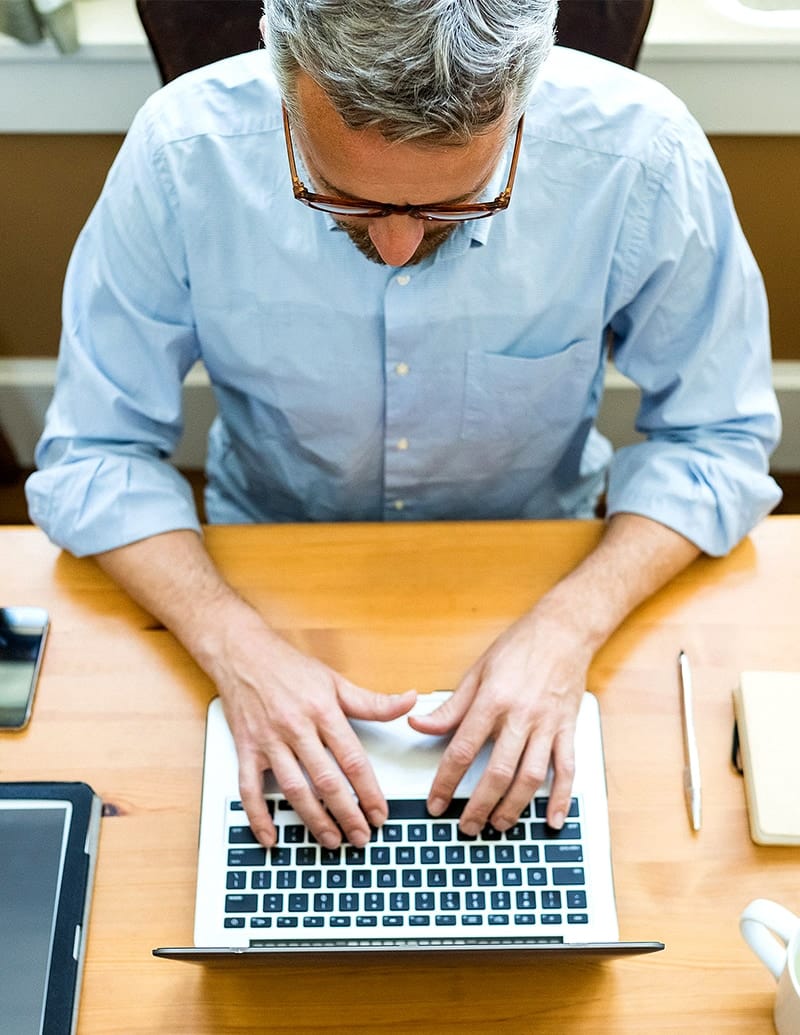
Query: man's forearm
172,576
634,559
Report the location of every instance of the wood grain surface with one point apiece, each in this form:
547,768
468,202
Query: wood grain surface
121,706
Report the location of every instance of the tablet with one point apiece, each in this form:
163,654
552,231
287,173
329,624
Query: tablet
48,846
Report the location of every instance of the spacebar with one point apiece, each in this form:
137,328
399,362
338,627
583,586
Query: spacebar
415,808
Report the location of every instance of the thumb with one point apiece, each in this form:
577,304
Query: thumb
447,716
359,703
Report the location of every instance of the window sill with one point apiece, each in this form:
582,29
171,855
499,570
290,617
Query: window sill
737,75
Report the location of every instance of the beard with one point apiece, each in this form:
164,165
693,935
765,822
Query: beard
359,235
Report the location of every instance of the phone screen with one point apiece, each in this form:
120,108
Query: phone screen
22,634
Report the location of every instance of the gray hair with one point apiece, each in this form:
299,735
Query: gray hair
445,70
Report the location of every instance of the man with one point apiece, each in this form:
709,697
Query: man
434,351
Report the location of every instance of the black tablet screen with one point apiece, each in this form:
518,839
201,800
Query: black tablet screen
33,837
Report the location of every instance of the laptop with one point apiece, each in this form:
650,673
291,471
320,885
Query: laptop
420,885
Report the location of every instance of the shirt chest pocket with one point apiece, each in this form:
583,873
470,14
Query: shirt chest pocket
528,405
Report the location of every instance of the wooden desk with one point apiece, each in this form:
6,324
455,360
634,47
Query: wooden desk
121,706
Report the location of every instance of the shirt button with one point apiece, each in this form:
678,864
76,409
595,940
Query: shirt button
403,279
401,369
399,504
402,443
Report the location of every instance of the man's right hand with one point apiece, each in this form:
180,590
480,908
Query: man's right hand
289,713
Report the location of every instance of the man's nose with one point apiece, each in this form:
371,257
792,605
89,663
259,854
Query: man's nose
396,237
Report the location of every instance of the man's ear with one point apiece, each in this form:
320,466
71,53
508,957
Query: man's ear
262,28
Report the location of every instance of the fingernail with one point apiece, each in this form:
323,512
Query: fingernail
470,829
558,821
357,837
376,818
437,806
330,840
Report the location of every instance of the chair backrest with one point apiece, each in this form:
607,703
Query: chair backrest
186,35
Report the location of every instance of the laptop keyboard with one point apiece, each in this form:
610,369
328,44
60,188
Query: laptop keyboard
418,875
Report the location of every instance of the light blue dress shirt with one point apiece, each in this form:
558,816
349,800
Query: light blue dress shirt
465,387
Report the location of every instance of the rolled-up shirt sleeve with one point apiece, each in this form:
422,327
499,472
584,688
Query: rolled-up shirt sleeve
694,336
127,342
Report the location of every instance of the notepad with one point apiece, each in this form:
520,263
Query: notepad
767,707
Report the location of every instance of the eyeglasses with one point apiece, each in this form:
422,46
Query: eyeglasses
361,208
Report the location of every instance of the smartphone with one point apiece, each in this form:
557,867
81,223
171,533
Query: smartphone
23,631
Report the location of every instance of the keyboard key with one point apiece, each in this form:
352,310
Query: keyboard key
500,900
313,921
286,879
341,921
442,832
529,853
306,856
526,900
273,903
490,834
405,856
577,918
330,856
498,919
487,878
412,878
241,836
479,854
355,856
241,903
511,877
540,807
336,879
516,833
366,921
294,834
576,900
361,879
551,899
386,878
437,878
454,855
461,878
298,903
419,920
504,854
449,900
447,920
246,857
261,880
234,921
393,920
568,875
536,875
471,919
379,856
280,856
236,880
417,832
429,855
311,879
392,832
373,902
475,899
524,919
563,853
411,808
424,900
261,921
399,901
349,902
323,902
550,918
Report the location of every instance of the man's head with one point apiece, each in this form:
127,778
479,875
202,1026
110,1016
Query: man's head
407,102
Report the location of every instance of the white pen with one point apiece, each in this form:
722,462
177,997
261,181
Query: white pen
691,770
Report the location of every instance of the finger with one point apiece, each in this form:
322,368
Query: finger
303,798
459,755
563,776
497,777
331,786
251,788
351,758
531,774
451,712
359,703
